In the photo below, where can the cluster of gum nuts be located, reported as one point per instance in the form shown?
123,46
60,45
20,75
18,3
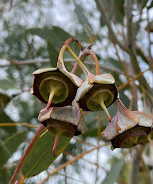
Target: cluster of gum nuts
66,95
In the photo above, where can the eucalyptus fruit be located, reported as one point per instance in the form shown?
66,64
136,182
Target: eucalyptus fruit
56,86
128,128
66,121
98,91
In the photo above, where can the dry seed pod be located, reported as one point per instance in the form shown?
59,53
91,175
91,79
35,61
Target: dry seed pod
98,91
65,121
56,86
128,128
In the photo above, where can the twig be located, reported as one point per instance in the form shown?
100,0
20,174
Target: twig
24,157
108,24
134,173
133,79
98,140
144,168
69,177
18,124
83,142
126,74
11,4
90,162
67,60
149,37
72,161
131,43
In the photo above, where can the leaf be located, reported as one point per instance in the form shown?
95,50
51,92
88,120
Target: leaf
9,146
53,53
114,10
151,5
4,100
81,16
55,35
6,131
113,173
6,84
41,156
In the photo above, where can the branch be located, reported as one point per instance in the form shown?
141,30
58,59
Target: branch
67,60
72,161
134,173
108,24
18,124
131,44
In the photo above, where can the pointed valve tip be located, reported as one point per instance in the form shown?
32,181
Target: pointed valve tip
110,119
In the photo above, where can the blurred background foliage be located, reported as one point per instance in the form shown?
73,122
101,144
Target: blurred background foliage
31,36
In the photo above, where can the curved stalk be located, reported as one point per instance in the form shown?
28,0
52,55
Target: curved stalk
89,52
64,47
52,93
102,104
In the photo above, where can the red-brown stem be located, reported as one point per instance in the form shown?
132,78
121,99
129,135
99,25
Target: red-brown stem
23,159
74,68
55,144
96,61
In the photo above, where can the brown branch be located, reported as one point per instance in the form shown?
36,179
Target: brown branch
108,24
72,161
18,124
67,60
90,162
134,173
131,44
133,79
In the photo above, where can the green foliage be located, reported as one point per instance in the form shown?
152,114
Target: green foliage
9,146
41,156
81,16
53,54
55,35
114,10
4,100
6,132
114,173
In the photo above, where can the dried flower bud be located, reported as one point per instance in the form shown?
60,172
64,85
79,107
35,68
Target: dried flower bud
98,91
128,128
52,86
66,121
56,86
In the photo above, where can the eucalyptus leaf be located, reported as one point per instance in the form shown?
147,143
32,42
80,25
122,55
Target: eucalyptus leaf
6,131
6,84
81,16
53,54
41,156
4,100
55,35
113,173
10,145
